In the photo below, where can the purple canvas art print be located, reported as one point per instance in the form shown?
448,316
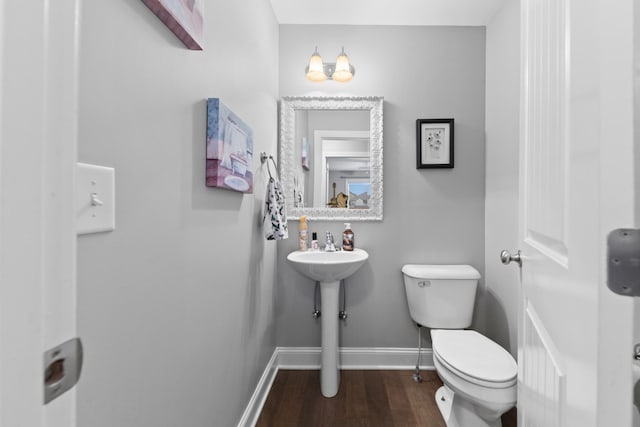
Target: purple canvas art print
229,149
183,17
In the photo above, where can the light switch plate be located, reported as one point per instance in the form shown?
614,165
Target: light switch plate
95,199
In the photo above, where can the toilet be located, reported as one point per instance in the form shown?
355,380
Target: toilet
479,376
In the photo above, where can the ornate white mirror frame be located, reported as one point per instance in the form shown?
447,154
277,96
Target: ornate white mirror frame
286,154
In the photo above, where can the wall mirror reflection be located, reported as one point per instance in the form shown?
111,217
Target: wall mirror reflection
330,153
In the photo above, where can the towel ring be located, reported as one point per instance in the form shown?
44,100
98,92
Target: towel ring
263,158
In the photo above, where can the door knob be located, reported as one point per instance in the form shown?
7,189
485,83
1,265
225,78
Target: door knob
506,257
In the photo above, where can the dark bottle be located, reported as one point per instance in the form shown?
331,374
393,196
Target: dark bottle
347,238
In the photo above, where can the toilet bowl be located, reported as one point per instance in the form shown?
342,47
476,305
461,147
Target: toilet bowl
479,376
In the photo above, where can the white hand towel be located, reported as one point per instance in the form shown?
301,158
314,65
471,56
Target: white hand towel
274,211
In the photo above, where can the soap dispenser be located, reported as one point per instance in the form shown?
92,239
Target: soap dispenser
347,237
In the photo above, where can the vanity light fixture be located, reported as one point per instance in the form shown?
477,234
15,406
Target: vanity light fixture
341,70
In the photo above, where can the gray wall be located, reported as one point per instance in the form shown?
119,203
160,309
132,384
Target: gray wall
499,307
176,306
430,216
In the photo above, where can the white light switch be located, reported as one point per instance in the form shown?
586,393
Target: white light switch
95,199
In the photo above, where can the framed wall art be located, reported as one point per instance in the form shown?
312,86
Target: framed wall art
434,142
183,17
229,149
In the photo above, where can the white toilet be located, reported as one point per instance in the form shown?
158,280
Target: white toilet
479,376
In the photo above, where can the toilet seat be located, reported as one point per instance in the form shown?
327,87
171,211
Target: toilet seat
474,357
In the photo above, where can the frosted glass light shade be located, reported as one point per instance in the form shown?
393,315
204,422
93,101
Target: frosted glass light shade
344,70
315,69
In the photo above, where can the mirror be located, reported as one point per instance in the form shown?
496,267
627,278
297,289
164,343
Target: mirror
330,156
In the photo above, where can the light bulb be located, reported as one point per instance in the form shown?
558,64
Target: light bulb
315,69
344,70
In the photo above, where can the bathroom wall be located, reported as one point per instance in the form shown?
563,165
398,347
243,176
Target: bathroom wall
176,306
499,305
430,216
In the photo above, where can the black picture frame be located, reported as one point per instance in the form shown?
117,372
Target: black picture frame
434,143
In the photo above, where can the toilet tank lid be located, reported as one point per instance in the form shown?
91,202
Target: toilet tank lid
430,271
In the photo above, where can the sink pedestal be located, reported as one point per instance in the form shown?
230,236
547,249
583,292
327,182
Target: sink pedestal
328,268
329,359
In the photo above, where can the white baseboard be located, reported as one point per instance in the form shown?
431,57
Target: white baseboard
350,358
356,358
252,412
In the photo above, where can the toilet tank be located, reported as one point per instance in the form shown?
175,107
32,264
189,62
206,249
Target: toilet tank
441,296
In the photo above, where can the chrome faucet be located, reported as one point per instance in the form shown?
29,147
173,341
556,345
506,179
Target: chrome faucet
329,244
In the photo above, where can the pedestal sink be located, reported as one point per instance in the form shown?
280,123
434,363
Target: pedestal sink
328,268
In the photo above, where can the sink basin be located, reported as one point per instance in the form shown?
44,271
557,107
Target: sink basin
327,266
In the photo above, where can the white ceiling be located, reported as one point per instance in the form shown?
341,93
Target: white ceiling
386,12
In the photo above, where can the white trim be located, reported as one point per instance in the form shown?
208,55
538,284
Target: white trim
356,358
38,145
303,358
298,357
254,407
318,137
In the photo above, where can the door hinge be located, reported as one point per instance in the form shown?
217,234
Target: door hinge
623,261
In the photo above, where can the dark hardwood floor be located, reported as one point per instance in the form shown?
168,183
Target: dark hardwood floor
365,398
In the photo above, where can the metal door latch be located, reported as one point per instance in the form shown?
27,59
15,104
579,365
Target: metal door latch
62,366
623,261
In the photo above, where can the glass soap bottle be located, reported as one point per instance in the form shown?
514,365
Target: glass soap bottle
347,237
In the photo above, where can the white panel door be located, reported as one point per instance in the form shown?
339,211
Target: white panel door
38,93
576,184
